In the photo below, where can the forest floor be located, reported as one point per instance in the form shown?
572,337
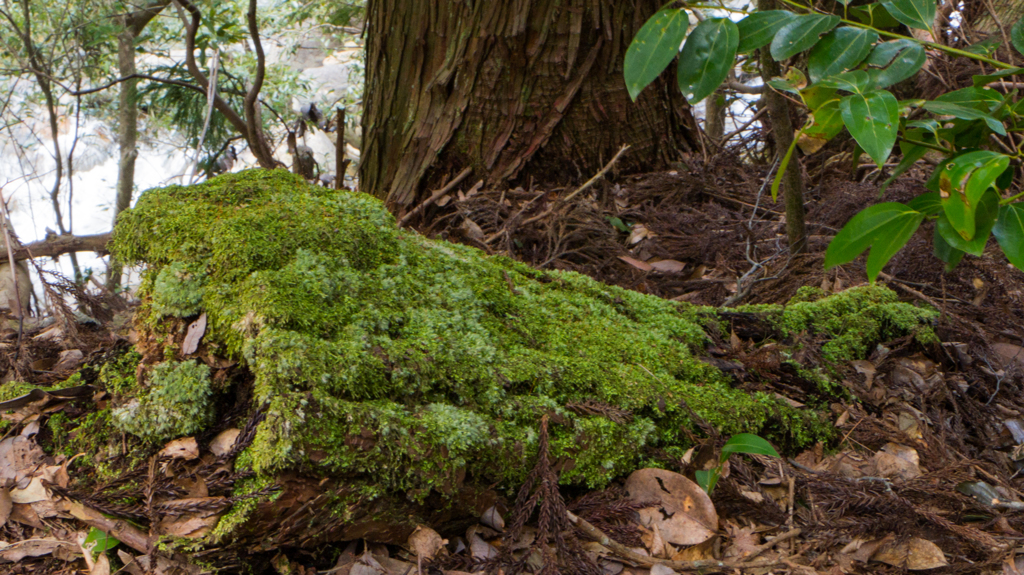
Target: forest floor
926,475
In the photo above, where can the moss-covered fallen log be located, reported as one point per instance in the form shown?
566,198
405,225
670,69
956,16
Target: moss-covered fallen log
410,368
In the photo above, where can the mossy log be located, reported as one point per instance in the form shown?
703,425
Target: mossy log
403,379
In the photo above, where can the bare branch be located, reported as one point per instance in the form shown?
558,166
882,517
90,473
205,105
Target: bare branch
54,246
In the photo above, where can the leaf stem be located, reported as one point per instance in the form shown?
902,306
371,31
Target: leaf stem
1011,199
926,145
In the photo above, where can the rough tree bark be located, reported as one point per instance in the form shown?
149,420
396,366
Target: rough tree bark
511,88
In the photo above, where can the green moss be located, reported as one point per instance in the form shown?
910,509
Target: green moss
15,389
177,291
91,439
409,365
118,375
177,403
853,320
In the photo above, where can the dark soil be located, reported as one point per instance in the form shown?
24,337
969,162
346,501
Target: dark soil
719,220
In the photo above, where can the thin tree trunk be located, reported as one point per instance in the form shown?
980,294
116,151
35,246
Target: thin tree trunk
508,89
128,117
714,117
782,132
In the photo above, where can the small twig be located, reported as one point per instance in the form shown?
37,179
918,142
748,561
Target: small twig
433,197
773,542
598,175
704,565
580,189
757,116
498,233
211,96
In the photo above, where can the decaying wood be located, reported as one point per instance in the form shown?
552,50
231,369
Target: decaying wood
54,246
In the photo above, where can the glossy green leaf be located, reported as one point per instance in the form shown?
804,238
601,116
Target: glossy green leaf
874,15
784,165
619,224
892,62
839,51
984,99
929,203
885,228
1017,37
963,181
918,14
1009,231
857,81
965,113
985,218
100,541
707,57
747,443
929,125
874,120
817,95
945,252
828,121
801,34
707,478
758,29
984,80
653,49
883,53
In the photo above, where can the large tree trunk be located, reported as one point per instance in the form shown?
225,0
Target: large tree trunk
510,88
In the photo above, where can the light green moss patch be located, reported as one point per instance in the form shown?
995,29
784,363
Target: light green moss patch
408,364
854,320
176,403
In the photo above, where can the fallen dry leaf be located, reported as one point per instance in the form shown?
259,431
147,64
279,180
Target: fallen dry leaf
685,515
185,448
19,456
368,565
425,542
638,233
916,555
24,513
224,441
662,569
37,547
196,331
493,519
69,359
898,462
102,566
6,505
472,230
479,548
643,266
668,266
698,552
139,565
33,492
743,540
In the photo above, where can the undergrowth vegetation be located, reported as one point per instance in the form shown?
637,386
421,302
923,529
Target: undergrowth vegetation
409,364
